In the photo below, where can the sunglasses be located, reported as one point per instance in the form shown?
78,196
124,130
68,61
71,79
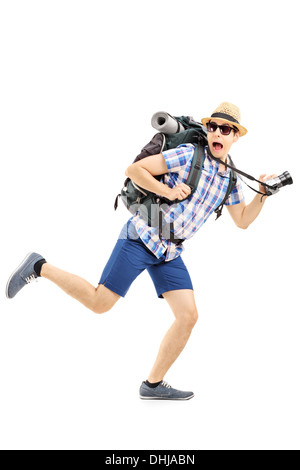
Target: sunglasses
224,129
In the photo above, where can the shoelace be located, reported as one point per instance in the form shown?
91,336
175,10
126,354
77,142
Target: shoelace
30,279
165,384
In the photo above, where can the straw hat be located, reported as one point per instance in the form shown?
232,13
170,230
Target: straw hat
229,114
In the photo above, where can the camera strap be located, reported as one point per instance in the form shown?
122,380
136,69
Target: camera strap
240,172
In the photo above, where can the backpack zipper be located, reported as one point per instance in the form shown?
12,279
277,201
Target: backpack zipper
138,188
164,142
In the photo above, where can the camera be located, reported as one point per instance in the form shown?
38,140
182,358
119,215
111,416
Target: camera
273,185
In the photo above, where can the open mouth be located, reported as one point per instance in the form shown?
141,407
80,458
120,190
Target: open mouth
217,146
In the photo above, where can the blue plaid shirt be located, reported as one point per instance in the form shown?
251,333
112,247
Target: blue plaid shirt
189,215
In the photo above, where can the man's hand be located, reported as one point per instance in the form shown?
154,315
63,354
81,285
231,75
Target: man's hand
180,192
265,179
244,215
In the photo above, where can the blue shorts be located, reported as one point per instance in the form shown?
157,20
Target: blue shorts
131,257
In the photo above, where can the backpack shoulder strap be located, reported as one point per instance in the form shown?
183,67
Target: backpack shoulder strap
192,182
194,174
231,186
196,168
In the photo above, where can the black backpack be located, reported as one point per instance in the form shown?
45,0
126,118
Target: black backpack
149,204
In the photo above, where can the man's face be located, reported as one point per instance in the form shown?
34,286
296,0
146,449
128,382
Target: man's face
219,144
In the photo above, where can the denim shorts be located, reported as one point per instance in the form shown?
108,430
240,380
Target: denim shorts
131,257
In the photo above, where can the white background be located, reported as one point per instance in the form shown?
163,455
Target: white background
79,83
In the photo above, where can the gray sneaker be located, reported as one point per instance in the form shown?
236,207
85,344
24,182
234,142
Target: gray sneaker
163,391
23,275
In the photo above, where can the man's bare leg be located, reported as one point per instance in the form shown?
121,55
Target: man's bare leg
183,305
99,300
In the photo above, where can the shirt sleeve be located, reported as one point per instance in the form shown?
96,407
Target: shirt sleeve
237,195
178,158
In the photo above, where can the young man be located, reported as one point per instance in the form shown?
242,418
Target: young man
139,246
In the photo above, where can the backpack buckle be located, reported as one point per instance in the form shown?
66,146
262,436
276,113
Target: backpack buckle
218,211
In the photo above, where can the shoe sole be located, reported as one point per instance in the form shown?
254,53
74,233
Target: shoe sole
170,399
15,272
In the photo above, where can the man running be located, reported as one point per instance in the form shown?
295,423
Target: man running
140,247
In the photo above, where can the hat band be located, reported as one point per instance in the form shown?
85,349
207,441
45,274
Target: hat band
224,116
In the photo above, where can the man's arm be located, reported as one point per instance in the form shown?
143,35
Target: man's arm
143,172
244,215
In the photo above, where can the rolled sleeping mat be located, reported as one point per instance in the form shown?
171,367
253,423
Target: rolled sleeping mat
165,123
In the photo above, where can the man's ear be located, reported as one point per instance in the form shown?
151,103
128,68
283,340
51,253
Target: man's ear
236,137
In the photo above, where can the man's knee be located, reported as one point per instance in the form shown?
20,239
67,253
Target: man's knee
100,308
104,300
190,318
194,318
103,305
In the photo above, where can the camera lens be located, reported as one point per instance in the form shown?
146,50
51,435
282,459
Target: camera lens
285,179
